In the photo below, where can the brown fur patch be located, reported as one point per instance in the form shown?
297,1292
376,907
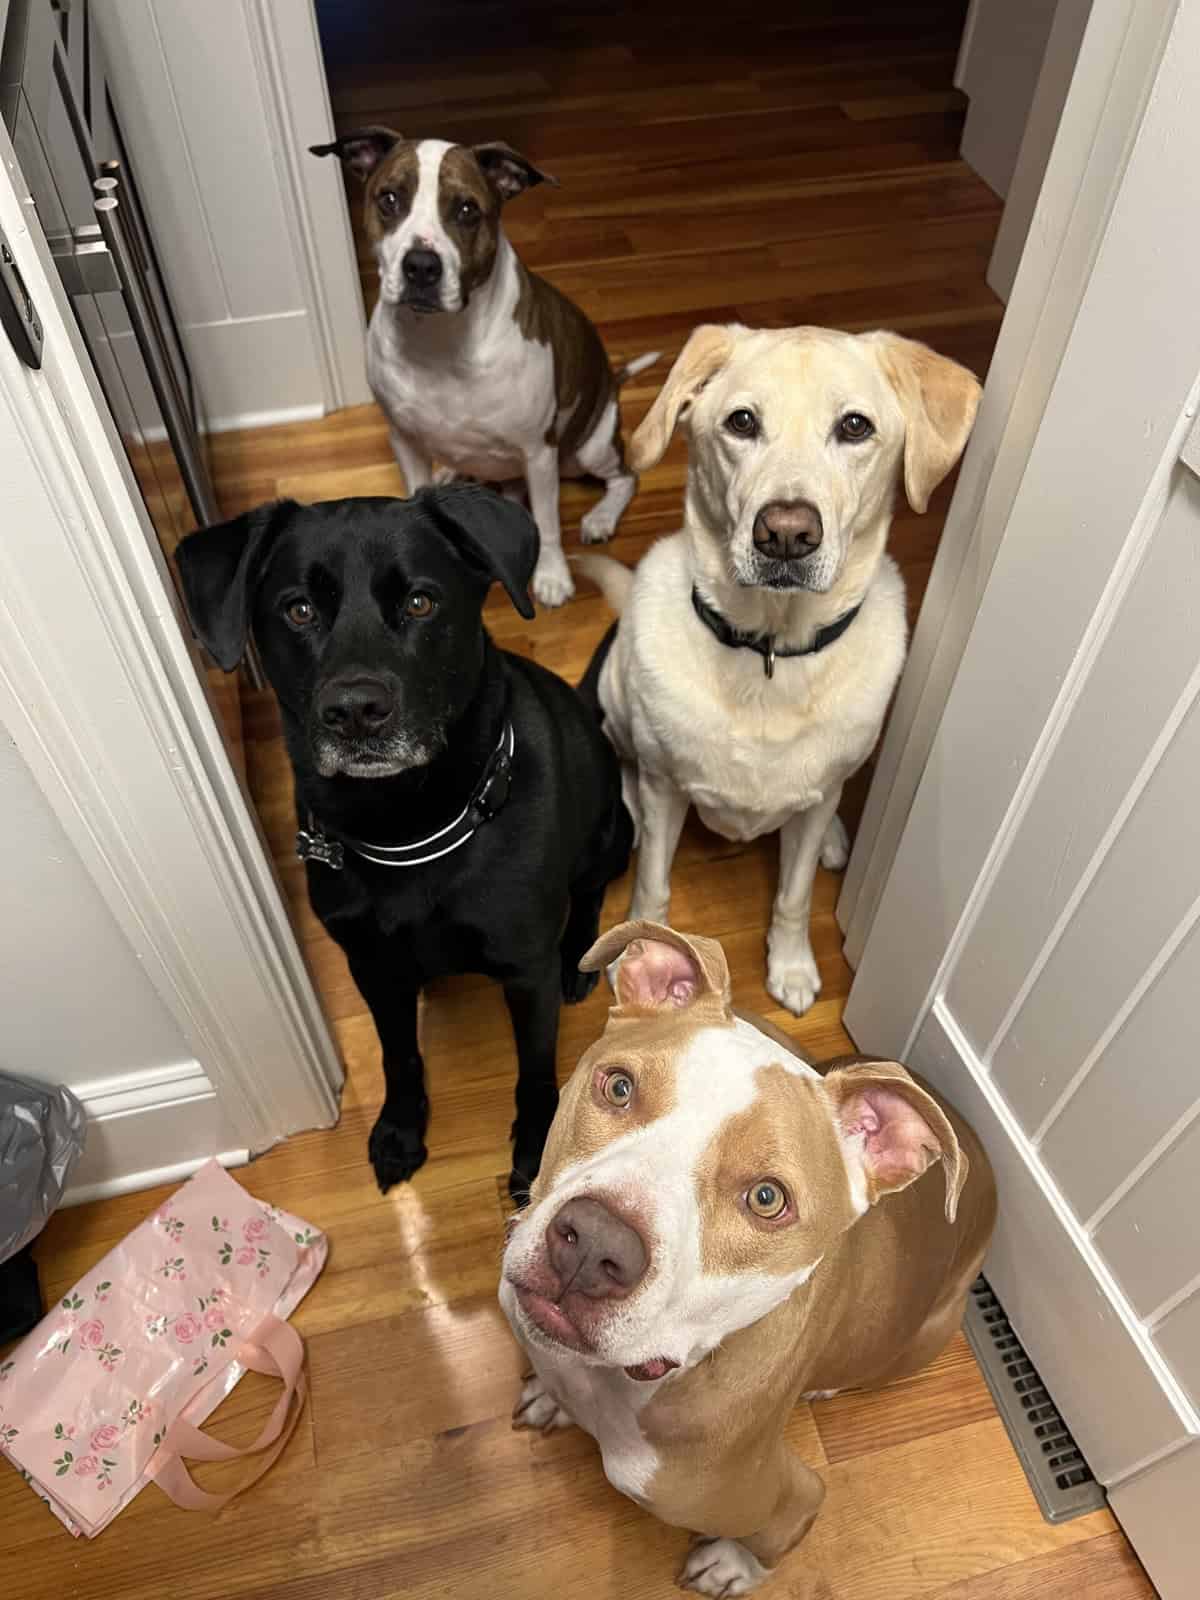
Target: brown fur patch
461,178
583,380
397,172
760,1142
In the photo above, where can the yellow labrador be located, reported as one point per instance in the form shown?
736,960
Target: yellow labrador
758,648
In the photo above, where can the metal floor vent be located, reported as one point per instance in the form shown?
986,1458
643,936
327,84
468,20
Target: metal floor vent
1058,1475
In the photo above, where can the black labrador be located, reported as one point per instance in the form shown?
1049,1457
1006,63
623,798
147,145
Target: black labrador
460,809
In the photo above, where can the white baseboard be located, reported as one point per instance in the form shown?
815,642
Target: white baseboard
264,419
147,1128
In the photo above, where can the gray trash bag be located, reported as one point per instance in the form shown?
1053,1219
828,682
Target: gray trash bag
42,1131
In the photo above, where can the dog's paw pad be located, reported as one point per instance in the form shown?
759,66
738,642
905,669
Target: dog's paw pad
537,1408
721,1567
792,975
552,582
597,527
835,846
395,1152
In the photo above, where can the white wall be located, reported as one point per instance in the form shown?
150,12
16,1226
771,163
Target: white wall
79,1009
218,100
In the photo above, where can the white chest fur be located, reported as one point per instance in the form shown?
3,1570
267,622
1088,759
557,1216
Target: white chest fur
468,388
749,751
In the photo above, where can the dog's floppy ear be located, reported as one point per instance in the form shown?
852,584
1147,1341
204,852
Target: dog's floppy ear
939,400
494,535
705,353
507,170
892,1130
661,970
219,569
361,151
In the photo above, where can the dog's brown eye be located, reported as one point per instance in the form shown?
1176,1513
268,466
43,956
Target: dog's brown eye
854,426
768,1199
742,422
300,613
388,202
466,211
618,1089
419,605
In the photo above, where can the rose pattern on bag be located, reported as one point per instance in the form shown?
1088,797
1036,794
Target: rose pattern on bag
136,1411
86,1465
246,1256
306,1237
187,1327
199,1366
102,1291
225,1254
8,1434
172,1226
157,1325
62,1464
172,1269
63,1430
91,1334
220,1224
109,1354
5,1368
105,1437
254,1229
104,1473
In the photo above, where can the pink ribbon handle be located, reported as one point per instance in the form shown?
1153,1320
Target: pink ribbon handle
276,1350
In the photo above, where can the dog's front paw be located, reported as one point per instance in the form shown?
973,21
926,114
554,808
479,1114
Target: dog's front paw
835,846
537,1408
598,525
397,1150
552,582
792,975
721,1567
576,985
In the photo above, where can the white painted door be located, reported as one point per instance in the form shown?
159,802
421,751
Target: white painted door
1036,951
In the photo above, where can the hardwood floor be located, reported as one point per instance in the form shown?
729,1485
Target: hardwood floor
782,165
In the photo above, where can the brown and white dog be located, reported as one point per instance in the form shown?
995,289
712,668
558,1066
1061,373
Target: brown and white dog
717,1230
477,362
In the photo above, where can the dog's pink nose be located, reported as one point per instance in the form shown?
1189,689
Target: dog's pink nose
593,1252
788,530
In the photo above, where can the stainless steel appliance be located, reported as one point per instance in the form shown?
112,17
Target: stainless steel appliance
57,106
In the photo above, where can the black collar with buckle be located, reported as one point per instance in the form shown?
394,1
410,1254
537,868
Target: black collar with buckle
764,643
487,798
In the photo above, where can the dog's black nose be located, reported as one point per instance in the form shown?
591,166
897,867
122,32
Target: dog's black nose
422,268
594,1252
788,530
355,707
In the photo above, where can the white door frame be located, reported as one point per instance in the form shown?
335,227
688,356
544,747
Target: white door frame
100,689
1120,415
1121,49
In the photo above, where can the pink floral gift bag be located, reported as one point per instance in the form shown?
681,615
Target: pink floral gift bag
110,1389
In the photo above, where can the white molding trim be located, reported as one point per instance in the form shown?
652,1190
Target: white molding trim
100,691
128,1092
263,419
150,1178
1029,1190
287,53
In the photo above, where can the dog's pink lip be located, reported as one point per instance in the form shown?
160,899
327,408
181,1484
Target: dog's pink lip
549,1318
649,1371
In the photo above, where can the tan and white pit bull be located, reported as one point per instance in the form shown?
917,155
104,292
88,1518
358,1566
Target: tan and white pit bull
477,362
717,1230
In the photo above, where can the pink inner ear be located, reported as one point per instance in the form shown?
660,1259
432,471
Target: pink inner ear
655,974
898,1144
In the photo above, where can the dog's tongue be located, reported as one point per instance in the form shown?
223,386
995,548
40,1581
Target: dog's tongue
649,1370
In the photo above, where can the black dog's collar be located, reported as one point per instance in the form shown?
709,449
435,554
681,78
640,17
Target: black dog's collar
487,798
764,644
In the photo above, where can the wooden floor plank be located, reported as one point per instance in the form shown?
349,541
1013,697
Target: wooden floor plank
802,166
